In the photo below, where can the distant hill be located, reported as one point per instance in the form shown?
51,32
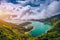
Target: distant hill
49,20
53,19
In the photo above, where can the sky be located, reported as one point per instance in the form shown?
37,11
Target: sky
29,9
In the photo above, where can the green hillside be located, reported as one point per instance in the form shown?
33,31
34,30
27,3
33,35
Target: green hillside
53,34
9,31
52,20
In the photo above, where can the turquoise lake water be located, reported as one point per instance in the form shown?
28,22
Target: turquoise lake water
39,28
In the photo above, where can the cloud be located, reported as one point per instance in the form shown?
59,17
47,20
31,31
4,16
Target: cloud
28,12
51,10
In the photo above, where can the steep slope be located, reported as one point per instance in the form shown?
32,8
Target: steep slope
53,34
9,31
53,19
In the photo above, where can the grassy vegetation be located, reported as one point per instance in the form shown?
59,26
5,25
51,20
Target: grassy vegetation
9,31
53,34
